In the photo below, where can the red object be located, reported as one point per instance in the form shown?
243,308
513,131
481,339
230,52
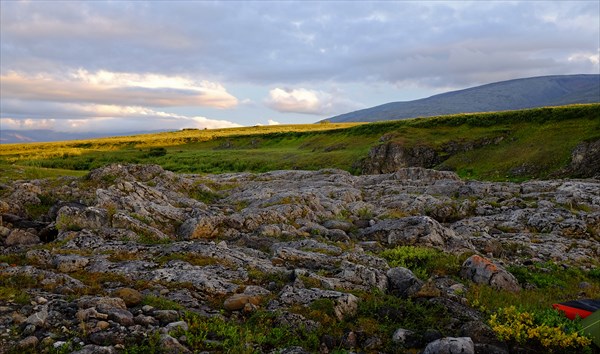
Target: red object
572,312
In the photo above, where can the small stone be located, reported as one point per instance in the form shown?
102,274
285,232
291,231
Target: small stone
29,342
238,301
131,296
102,325
175,325
450,345
41,300
39,318
172,345
18,318
147,308
166,316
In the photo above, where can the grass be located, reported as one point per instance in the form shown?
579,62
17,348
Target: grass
513,145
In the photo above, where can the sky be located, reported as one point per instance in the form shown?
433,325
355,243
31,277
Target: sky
118,66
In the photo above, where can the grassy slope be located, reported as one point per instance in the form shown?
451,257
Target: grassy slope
537,141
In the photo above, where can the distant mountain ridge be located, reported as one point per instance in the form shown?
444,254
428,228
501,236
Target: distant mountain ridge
514,94
46,135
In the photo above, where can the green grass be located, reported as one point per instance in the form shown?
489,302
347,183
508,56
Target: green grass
534,144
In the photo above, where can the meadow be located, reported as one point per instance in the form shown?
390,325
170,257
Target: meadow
536,141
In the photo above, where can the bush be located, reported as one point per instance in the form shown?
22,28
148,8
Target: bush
548,329
422,261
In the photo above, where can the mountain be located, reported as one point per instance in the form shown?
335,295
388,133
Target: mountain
45,135
499,96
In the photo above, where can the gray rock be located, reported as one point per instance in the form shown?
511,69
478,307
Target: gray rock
96,349
122,317
70,263
450,345
403,282
413,230
28,343
172,345
73,218
39,318
166,316
345,305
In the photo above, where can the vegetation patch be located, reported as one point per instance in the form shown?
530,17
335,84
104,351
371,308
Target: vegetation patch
423,261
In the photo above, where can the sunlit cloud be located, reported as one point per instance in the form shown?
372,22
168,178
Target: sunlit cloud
105,118
111,88
307,101
272,122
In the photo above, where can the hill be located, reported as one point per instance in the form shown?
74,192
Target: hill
9,136
499,96
513,145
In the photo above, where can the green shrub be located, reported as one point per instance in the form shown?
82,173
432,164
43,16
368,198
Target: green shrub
547,329
422,261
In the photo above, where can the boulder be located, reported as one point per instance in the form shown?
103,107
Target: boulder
402,282
131,296
483,271
450,345
19,237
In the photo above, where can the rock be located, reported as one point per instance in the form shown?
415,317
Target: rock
96,349
20,237
238,301
28,343
166,316
78,218
130,296
402,282
483,271
177,325
344,305
413,230
101,303
122,317
106,338
172,345
450,345
406,338
39,318
85,315
70,263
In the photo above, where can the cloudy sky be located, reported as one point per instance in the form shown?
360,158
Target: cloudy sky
120,66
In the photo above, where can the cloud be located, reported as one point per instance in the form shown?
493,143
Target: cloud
272,122
104,87
307,101
86,118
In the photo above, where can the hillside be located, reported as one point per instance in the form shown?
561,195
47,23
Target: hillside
514,145
499,96
270,257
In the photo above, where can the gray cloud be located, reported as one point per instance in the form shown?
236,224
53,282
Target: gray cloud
308,46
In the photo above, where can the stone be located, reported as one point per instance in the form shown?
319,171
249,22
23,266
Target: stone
172,345
20,237
237,302
39,318
483,271
402,282
122,317
406,338
450,345
28,343
130,296
70,263
177,325
166,316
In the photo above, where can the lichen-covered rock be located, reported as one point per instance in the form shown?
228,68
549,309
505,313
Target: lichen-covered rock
19,237
344,304
483,271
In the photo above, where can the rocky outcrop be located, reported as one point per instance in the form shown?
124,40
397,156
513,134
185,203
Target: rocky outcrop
126,254
585,160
